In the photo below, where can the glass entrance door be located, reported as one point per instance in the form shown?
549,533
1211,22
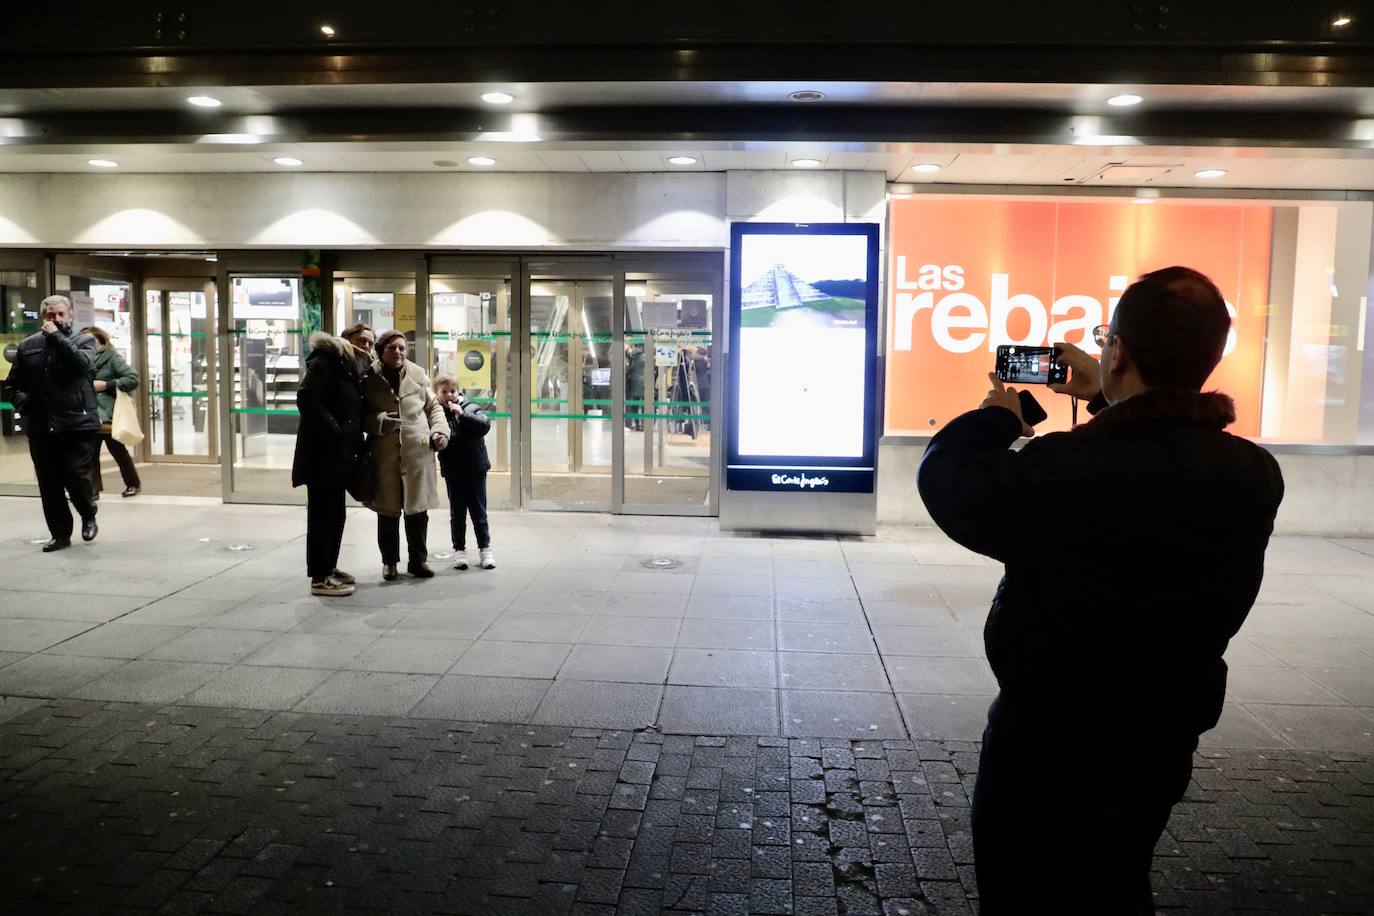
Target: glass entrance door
180,395
570,408
670,370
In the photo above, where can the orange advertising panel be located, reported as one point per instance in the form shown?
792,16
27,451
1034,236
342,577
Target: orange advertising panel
971,273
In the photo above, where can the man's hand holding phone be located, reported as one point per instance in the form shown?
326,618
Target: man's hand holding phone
1085,380
1001,396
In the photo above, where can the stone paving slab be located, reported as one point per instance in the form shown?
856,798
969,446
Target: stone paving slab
126,808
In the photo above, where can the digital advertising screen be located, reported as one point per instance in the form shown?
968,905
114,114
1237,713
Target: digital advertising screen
803,319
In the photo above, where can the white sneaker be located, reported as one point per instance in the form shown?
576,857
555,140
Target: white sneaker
486,558
460,559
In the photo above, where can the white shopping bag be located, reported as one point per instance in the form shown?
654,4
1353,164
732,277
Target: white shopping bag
124,421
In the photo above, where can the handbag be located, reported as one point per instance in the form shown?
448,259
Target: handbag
361,485
124,426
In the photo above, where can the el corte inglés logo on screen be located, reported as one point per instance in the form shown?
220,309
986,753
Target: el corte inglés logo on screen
801,481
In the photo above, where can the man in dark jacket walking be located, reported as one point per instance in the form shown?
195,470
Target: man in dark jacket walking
1134,548
330,452
50,387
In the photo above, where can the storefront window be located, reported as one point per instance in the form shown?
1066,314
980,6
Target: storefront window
970,273
18,318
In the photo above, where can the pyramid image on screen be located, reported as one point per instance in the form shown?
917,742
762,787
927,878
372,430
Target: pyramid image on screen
779,288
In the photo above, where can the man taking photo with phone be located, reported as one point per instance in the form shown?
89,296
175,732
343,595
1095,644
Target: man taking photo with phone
1135,552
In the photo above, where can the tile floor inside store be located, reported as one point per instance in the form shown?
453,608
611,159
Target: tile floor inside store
872,638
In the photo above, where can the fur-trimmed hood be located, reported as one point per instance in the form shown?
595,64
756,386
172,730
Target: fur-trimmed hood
1166,407
319,340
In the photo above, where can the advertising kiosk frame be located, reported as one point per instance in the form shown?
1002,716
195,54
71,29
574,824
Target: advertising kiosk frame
801,444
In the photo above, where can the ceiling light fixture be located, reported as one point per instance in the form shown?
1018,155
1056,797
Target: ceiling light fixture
1341,21
806,95
497,98
925,168
1210,173
1143,200
103,163
1125,100
327,31
204,101
682,160
481,160
287,160
807,163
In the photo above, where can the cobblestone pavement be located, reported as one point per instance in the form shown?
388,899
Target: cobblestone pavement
114,807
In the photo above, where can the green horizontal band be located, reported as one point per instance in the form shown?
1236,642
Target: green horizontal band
570,416
463,335
199,335
6,405
495,415
246,330
703,417
695,335
265,411
178,394
482,400
564,338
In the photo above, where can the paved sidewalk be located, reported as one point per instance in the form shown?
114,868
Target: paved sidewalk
108,807
865,639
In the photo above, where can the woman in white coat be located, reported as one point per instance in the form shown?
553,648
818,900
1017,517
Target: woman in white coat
408,426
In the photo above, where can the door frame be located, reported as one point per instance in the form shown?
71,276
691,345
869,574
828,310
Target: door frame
172,283
43,266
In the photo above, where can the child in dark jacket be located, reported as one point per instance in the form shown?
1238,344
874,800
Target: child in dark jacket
464,464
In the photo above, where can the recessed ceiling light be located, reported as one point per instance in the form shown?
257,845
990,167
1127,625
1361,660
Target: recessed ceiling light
1143,200
103,163
806,95
1210,173
481,160
287,160
807,163
1341,21
205,101
497,98
925,168
327,31
682,160
1124,100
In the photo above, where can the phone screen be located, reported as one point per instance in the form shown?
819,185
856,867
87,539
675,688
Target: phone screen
1030,365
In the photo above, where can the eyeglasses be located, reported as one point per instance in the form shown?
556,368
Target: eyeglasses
1102,335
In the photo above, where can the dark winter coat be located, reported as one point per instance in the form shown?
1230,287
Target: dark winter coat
50,386
108,366
329,440
1134,549
466,453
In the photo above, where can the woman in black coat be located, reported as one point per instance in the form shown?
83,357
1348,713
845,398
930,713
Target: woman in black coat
330,448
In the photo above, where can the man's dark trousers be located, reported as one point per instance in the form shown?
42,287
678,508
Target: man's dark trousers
62,463
1069,818
325,515
467,496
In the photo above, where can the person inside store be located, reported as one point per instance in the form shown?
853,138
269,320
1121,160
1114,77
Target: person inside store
1107,630
464,464
407,426
331,456
110,373
50,387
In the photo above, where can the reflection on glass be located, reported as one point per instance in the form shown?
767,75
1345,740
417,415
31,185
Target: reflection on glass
470,341
668,384
18,318
266,326
180,380
570,396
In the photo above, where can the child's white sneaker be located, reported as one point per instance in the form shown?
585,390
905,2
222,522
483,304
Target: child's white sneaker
488,562
460,559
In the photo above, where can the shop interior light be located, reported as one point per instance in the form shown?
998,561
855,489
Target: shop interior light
925,168
682,160
1210,173
807,163
204,101
327,31
287,160
481,160
103,163
1125,100
1341,21
1143,200
806,95
497,98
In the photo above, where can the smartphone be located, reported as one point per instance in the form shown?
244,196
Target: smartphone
1030,365
1031,411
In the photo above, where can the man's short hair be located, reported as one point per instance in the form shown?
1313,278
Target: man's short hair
1174,324
353,330
55,300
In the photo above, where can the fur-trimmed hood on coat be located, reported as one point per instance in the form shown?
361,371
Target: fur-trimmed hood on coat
1166,407
319,340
